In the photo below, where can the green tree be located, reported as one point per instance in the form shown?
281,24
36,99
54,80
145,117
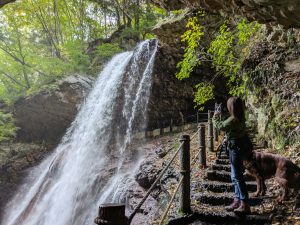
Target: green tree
226,53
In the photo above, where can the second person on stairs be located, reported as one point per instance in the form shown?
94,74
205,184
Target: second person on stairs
240,148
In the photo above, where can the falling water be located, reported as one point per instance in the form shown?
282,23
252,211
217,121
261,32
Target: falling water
92,164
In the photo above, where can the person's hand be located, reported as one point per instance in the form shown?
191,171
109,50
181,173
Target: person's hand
216,113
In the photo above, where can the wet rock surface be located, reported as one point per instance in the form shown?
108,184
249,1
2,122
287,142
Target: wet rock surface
148,171
15,159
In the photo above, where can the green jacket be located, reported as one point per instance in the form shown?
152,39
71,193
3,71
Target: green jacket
231,128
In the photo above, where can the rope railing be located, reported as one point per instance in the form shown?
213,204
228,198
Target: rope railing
179,184
154,184
184,149
170,202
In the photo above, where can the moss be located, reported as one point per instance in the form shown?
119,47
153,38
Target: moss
276,103
7,127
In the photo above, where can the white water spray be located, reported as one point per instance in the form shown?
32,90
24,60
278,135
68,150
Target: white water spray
89,166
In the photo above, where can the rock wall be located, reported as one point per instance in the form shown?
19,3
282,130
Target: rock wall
45,116
273,69
4,2
284,12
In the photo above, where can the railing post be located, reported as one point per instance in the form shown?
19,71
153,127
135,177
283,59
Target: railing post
216,134
185,198
210,132
111,214
202,148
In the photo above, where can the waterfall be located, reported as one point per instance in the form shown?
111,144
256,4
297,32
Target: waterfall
93,163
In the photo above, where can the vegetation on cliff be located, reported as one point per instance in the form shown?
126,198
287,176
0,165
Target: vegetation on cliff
7,127
226,52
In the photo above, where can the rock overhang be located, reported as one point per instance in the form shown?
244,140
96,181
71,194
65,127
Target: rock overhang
283,12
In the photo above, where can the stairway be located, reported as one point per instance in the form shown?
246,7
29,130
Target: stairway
214,193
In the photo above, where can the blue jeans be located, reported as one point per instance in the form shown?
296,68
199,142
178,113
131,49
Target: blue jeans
236,156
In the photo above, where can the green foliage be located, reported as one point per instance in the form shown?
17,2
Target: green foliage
226,51
191,37
107,50
205,92
130,32
7,127
77,60
42,41
149,18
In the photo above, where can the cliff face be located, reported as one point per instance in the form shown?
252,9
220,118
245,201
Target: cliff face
284,12
273,69
44,117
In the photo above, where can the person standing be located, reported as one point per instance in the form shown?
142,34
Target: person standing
239,148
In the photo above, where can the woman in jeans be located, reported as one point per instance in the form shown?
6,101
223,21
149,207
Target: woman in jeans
240,148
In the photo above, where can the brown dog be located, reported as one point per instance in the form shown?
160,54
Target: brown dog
266,165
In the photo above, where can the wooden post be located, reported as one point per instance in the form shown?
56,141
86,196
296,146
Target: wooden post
185,198
216,134
197,118
202,148
210,132
111,214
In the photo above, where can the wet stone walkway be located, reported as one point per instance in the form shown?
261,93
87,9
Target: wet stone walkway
215,192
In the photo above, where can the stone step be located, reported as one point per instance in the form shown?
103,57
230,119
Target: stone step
221,167
220,187
223,156
221,199
222,161
223,176
217,215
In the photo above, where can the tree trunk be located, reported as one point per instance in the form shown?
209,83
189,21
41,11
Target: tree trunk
137,15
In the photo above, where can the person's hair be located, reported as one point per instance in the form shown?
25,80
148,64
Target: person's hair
235,107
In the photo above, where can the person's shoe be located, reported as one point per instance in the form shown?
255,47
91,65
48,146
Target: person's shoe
243,209
234,205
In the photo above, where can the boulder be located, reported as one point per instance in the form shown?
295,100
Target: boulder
45,116
148,172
